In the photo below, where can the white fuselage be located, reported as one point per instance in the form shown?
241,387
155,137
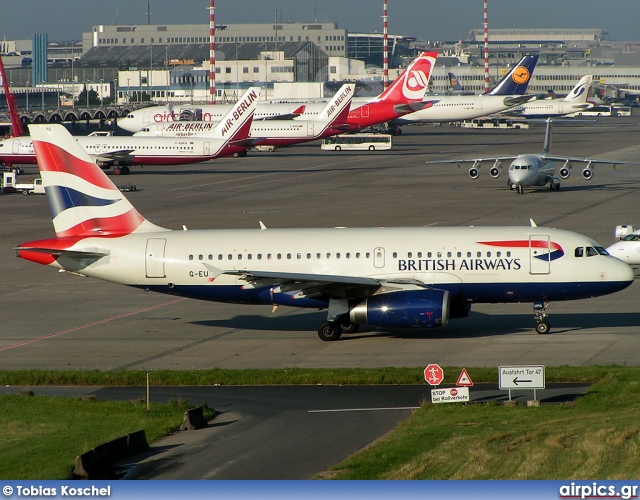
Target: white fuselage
141,118
548,108
141,150
627,249
268,132
456,108
474,264
531,170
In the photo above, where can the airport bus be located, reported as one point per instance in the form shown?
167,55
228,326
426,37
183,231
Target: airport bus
603,110
357,142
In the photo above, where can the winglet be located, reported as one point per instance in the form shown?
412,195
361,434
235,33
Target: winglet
533,224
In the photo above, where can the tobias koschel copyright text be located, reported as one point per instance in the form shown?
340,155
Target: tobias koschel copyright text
63,491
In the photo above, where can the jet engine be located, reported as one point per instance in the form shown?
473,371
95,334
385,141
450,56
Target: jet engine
587,173
406,309
496,169
474,172
565,172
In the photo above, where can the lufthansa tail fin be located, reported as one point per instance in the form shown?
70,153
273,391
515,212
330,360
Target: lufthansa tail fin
516,81
82,199
454,83
413,82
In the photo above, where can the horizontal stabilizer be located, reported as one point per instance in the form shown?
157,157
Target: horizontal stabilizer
518,100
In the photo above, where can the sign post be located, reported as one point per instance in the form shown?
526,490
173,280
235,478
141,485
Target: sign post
521,377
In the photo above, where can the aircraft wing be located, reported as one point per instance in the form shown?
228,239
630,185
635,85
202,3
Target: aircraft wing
474,160
121,155
591,161
286,116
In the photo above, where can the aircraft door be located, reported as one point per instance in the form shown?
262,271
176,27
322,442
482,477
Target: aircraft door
206,148
364,111
310,131
560,107
478,104
154,258
146,117
378,257
539,254
16,146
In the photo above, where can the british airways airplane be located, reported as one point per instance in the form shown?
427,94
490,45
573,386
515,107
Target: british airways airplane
331,120
229,137
411,278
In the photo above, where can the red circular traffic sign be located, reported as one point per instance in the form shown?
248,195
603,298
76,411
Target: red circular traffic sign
433,374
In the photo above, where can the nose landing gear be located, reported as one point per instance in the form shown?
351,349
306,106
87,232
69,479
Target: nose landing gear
542,325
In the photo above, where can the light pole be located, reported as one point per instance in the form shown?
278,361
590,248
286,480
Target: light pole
86,87
128,82
27,96
101,89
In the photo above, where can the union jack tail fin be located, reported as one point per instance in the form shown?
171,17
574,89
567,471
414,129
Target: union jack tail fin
82,199
412,84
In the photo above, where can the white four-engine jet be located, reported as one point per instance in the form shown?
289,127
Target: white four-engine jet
386,277
534,170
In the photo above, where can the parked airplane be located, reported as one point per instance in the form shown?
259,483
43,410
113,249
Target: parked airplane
403,96
455,87
330,121
574,102
508,92
534,170
627,246
229,137
386,277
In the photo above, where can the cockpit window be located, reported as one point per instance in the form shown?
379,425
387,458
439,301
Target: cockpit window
631,237
602,251
530,167
591,252
579,252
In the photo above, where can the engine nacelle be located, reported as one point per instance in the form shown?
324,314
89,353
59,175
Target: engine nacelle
495,172
410,309
474,172
565,172
587,173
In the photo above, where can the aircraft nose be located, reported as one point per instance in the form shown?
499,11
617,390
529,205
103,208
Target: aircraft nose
620,272
519,176
629,253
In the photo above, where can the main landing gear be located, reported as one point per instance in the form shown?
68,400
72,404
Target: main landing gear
542,325
333,330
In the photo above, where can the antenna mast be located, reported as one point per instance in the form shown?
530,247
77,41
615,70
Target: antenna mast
385,46
212,53
486,48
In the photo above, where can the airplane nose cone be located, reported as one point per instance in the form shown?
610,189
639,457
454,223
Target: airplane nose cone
621,273
627,252
520,177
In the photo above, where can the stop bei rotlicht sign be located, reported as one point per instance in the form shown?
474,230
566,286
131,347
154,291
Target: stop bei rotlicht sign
433,374
451,395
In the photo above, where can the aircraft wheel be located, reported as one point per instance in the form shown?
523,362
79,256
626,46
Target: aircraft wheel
125,170
519,189
543,327
348,327
338,148
117,171
329,331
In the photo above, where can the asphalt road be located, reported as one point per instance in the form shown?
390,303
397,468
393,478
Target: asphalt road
284,432
54,320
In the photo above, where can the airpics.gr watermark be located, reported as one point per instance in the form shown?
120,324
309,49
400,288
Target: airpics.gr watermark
63,491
